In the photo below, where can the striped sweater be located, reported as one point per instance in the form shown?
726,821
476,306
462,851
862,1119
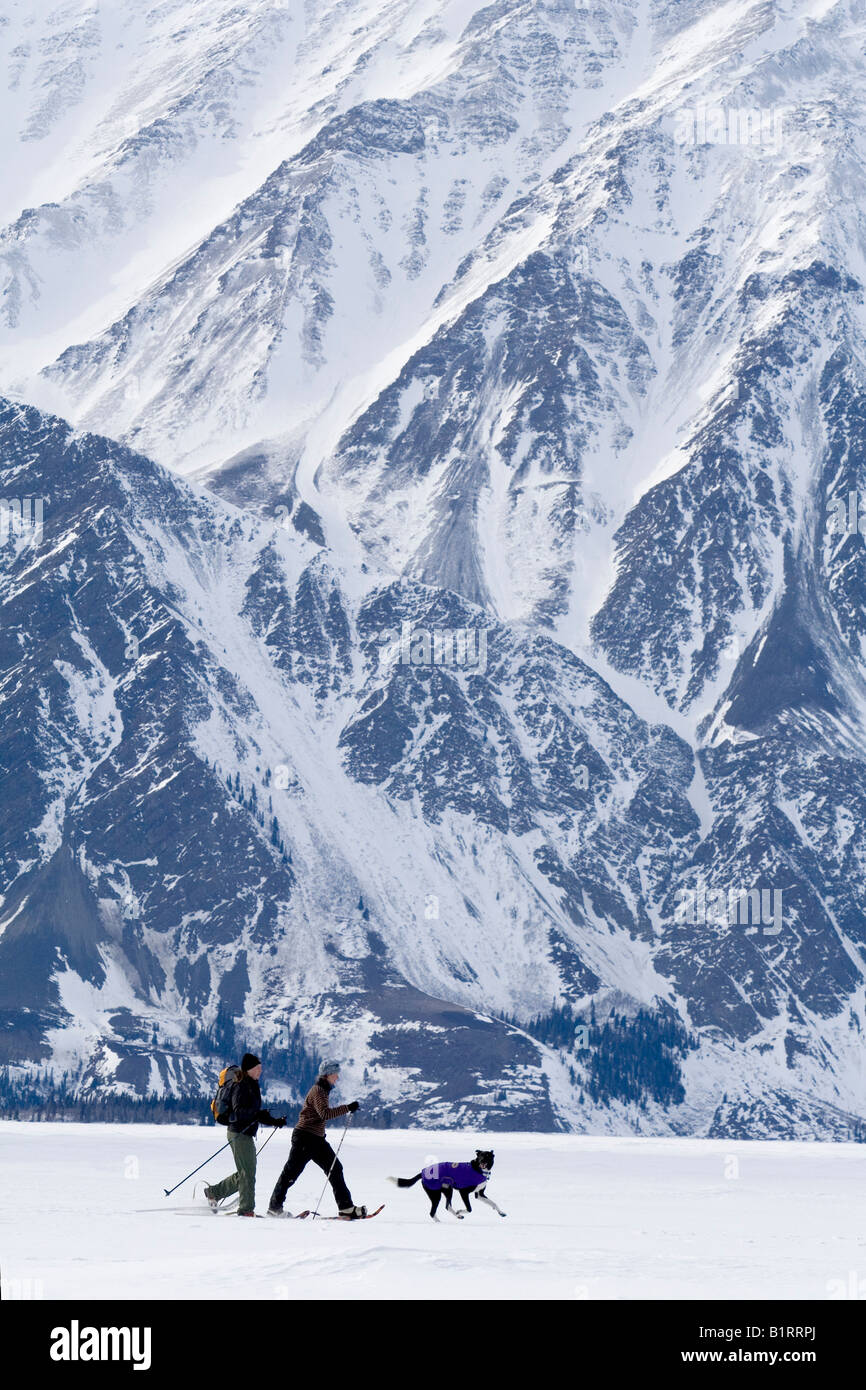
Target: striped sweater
315,1111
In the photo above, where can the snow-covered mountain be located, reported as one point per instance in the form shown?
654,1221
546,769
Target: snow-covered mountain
525,334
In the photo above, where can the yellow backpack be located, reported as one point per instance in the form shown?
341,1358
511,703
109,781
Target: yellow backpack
221,1105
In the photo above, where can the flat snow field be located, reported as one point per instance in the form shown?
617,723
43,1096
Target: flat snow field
82,1215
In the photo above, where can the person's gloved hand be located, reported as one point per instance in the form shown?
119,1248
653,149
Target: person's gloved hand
353,1106
280,1122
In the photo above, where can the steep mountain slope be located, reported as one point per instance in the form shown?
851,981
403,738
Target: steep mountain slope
196,669
534,324
386,155
234,796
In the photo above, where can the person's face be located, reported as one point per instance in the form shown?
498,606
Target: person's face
333,1077
256,1072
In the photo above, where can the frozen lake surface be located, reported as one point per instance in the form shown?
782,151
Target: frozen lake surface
83,1216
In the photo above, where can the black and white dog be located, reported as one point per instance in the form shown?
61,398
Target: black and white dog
444,1179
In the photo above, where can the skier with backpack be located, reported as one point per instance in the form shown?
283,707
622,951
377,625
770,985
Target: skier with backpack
309,1145
238,1104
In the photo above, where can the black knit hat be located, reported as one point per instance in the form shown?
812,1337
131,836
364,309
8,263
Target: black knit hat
249,1060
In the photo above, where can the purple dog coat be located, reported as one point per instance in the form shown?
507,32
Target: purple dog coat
458,1175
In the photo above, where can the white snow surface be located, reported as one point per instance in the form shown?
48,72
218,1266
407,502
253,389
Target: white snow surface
587,1218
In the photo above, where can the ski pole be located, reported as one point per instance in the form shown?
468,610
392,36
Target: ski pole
168,1190
336,1156
267,1141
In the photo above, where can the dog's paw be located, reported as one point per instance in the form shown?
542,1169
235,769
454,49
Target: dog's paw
393,1180
503,1213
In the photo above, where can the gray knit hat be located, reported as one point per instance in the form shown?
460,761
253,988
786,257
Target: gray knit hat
328,1068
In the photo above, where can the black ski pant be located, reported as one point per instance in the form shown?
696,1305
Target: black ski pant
310,1148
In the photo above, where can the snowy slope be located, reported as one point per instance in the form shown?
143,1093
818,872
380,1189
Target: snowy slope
230,800
488,318
378,163
236,805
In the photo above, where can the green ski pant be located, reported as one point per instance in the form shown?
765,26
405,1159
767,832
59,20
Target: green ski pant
244,1153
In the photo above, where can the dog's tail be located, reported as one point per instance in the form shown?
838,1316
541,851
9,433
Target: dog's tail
406,1182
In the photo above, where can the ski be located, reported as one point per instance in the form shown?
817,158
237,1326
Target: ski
183,1211
225,1204
231,1211
228,1207
368,1217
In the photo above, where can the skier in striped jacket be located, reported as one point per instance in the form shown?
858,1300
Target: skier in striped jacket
309,1145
